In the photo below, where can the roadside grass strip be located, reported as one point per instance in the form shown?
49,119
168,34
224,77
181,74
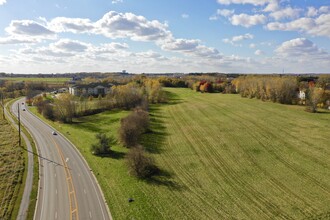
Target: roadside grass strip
11,170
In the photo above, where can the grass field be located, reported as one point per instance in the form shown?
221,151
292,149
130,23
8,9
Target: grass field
37,79
222,157
11,170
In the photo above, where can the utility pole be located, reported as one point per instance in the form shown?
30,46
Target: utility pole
19,125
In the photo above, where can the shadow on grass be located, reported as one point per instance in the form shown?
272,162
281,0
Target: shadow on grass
92,123
153,139
114,154
163,179
323,112
172,98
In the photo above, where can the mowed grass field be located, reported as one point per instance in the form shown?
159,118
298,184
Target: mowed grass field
11,170
221,156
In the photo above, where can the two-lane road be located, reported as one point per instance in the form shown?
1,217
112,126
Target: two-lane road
68,190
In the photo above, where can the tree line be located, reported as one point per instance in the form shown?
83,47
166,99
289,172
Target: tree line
65,106
285,89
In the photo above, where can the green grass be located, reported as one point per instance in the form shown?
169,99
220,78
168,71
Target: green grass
37,79
221,157
34,190
12,170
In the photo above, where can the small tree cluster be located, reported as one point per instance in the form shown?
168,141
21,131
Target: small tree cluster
62,109
103,145
153,90
125,96
132,126
140,165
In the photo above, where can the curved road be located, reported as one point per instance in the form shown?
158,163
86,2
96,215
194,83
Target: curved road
67,188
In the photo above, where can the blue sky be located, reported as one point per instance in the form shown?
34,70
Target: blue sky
241,36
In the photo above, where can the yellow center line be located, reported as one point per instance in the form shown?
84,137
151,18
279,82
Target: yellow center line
71,190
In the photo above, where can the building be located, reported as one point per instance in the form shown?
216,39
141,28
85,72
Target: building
302,95
94,89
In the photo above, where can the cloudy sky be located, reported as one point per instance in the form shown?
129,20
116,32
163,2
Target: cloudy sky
245,36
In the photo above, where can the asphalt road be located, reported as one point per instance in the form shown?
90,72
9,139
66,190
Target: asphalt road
67,187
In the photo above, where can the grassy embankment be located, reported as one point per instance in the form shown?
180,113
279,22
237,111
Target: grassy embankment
20,186
12,160
222,157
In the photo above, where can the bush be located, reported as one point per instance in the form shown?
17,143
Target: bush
48,112
140,165
103,146
133,126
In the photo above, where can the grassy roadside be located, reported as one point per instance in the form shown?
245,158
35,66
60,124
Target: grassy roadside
222,157
12,171
34,190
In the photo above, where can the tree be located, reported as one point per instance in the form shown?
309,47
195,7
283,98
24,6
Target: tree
48,112
140,165
313,98
103,145
65,107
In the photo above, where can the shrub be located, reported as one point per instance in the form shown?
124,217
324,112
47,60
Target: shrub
140,165
103,146
133,126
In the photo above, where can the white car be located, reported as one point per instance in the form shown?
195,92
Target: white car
54,133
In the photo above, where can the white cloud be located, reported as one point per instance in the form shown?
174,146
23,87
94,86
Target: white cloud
271,5
74,25
69,45
109,48
185,16
252,45
324,9
225,12
312,12
242,37
2,2
302,48
252,2
128,25
319,26
287,12
247,21
238,38
190,48
222,12
18,40
259,52
116,1
151,55
28,28
180,45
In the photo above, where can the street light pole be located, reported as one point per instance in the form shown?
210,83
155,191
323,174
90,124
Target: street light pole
19,125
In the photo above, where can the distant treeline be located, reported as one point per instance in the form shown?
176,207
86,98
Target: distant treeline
285,90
